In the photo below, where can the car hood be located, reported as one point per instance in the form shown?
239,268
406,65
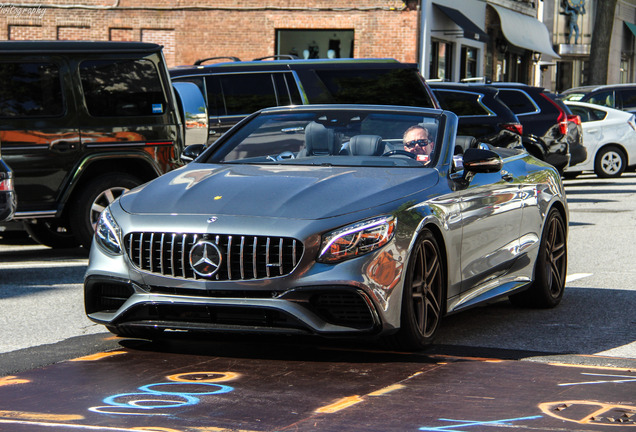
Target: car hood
289,191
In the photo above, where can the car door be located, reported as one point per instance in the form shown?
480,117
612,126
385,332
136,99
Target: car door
38,128
491,209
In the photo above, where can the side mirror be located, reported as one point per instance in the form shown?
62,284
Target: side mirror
194,112
191,152
478,160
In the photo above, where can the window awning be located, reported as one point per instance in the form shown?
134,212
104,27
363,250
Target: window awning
525,31
631,26
470,29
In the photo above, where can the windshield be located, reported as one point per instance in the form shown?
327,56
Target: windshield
338,137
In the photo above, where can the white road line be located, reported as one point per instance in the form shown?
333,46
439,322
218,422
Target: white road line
40,264
577,276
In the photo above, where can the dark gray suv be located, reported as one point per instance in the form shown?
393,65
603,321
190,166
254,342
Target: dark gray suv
235,89
619,96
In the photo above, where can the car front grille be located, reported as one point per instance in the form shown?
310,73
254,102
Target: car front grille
242,257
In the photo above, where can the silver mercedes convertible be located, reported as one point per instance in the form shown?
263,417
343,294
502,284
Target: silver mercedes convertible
329,220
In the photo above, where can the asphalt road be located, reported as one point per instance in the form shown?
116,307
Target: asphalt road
42,319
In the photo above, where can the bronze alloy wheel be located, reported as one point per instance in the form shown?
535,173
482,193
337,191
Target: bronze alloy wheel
423,297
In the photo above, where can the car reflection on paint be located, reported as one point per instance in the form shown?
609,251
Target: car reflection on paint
316,220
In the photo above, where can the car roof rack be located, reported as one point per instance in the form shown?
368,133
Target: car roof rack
201,61
277,57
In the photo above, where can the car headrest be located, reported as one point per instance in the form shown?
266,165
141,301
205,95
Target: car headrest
464,142
319,140
366,145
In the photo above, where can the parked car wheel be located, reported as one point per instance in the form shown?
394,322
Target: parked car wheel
53,233
551,267
423,297
94,198
610,162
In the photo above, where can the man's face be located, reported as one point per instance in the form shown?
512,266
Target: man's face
414,135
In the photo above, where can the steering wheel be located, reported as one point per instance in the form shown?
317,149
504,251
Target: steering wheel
282,156
401,153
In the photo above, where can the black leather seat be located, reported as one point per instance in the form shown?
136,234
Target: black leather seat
366,145
464,142
319,140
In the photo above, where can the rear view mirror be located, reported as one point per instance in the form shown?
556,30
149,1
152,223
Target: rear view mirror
191,152
478,160
194,112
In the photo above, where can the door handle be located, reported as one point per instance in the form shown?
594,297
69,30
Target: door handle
505,175
63,146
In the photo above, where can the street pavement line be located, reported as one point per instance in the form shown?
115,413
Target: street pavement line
576,276
340,405
98,356
23,415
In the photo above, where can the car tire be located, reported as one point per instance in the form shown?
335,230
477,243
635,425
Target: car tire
610,162
53,233
550,268
95,197
423,295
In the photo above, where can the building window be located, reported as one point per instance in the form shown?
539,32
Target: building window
441,60
312,44
468,63
626,68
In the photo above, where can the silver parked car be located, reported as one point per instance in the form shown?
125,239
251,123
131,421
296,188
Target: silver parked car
320,220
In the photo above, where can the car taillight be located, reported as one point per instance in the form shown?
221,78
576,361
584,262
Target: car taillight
6,184
575,119
562,120
513,127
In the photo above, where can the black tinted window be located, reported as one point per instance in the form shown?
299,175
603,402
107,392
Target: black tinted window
30,90
461,103
517,101
240,94
605,98
122,88
375,86
629,99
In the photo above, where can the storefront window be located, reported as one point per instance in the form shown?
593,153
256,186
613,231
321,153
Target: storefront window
313,44
469,63
441,60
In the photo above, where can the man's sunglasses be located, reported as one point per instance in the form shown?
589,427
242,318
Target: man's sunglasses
420,142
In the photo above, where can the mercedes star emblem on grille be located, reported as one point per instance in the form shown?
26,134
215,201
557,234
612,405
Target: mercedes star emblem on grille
205,258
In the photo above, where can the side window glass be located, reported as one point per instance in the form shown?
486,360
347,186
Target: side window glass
30,90
241,94
115,88
517,101
376,86
605,98
286,89
629,99
597,114
461,103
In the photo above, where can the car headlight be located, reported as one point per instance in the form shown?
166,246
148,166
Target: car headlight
108,233
356,239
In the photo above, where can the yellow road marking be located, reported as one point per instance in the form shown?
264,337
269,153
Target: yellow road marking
340,405
23,415
98,356
388,389
11,380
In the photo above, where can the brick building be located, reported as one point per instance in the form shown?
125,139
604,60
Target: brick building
243,28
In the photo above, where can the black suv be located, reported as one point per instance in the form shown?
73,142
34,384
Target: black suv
81,123
481,113
7,195
236,89
545,123
619,96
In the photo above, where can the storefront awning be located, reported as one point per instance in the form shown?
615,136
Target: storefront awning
631,26
525,31
471,30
